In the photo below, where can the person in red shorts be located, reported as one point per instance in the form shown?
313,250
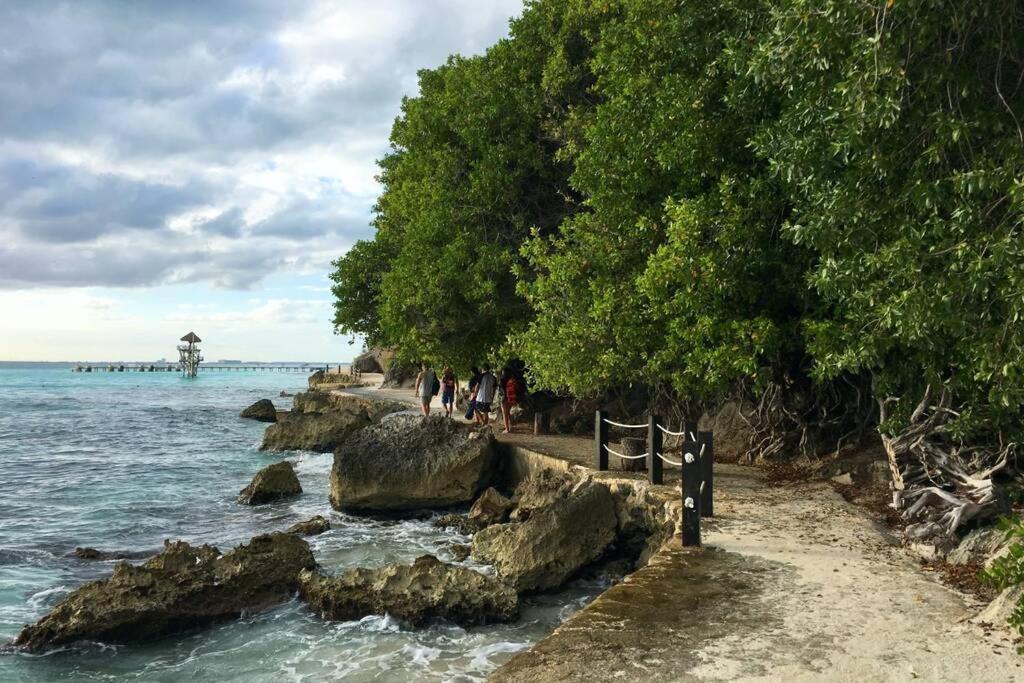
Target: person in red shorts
509,386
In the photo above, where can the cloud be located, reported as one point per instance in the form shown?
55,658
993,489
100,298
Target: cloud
148,143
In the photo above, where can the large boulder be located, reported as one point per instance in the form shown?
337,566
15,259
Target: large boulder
490,508
311,527
321,421
181,588
399,375
418,593
554,543
978,546
271,483
731,424
540,491
410,462
262,410
367,362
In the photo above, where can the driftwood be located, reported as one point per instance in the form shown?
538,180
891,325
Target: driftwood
940,483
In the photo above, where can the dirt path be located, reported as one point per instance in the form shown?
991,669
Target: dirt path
793,584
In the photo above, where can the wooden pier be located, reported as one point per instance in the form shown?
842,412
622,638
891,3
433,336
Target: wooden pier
174,367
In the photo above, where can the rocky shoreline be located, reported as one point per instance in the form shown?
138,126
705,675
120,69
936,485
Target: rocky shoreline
537,532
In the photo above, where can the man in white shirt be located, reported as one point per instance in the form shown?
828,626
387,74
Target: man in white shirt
484,394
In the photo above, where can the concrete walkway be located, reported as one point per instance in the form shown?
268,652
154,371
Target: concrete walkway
793,584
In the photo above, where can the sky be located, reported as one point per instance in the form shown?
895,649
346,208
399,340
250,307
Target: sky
168,166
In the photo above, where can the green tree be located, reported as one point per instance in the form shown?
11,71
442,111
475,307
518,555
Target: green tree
676,274
901,146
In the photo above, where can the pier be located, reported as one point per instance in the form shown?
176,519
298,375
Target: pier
164,366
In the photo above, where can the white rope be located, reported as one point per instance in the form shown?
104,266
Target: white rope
702,447
619,424
627,457
693,437
683,433
670,462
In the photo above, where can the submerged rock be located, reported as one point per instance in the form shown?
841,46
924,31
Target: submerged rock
554,543
408,462
320,421
262,410
426,590
460,523
181,588
311,527
490,508
101,555
460,551
271,483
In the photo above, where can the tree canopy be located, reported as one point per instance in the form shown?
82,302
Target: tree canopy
700,196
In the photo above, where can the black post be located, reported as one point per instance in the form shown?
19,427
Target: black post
600,442
707,461
691,494
654,473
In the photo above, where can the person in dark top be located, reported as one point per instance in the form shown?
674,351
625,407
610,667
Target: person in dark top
449,387
486,388
474,380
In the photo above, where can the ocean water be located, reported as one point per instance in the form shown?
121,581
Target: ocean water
122,461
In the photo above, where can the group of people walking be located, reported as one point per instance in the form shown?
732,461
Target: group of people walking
484,389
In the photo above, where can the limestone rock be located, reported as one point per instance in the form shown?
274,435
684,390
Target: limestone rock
418,593
978,546
732,431
316,379
540,491
102,555
554,543
181,588
400,376
460,523
271,483
311,527
367,362
409,462
999,610
262,410
460,551
490,508
320,421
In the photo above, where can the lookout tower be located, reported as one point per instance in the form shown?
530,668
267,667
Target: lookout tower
189,352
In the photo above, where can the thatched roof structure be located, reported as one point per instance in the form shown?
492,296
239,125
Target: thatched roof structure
191,338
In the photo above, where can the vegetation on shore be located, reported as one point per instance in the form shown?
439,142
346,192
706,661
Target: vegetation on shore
817,208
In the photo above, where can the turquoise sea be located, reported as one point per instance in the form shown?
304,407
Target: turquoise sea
122,461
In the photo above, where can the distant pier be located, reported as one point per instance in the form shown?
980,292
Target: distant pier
173,367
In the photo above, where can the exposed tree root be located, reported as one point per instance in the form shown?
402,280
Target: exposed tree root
940,484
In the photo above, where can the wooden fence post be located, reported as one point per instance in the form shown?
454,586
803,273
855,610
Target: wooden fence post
654,464
600,442
707,461
691,494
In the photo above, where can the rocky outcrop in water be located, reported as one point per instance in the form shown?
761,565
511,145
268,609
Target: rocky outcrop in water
271,483
408,462
320,421
181,588
418,593
460,523
490,508
262,410
311,527
554,542
105,555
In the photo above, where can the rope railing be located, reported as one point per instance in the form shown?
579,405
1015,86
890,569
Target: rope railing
625,457
619,424
670,433
696,463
